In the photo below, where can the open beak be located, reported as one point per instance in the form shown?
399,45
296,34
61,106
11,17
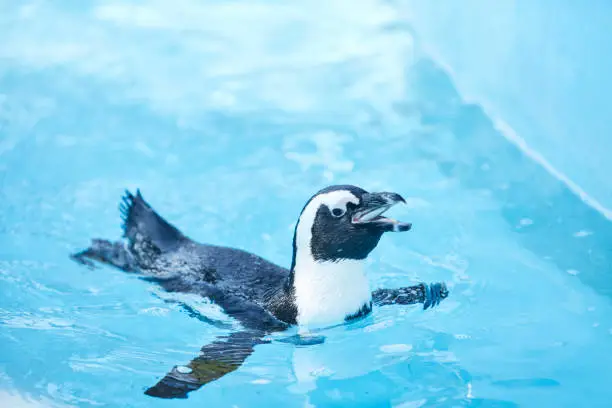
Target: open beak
373,206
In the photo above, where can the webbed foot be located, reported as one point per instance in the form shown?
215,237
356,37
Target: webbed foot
434,294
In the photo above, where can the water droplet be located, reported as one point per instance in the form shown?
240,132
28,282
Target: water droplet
183,370
573,272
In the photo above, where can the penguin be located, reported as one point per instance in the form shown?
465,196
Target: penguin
326,284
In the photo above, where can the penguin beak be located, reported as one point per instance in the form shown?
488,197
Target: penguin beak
373,206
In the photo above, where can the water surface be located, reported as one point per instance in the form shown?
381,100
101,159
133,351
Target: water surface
228,116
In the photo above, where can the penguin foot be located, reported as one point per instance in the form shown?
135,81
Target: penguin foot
434,294
303,340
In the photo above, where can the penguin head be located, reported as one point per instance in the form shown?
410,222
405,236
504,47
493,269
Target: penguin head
344,222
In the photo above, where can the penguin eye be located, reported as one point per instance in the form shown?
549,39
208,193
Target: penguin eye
338,212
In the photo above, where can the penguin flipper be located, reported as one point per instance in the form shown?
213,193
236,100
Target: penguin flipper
142,224
429,295
223,356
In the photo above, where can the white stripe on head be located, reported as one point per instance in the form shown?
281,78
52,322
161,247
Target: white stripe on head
333,199
326,292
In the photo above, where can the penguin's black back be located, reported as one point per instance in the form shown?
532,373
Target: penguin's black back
231,277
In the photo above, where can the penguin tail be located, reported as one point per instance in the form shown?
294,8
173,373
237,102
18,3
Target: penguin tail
143,225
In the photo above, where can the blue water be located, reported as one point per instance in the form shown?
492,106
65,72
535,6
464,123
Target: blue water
228,116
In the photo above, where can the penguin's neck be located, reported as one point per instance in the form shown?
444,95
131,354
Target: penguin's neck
326,293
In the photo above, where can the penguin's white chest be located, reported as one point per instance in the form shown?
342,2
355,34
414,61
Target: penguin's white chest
327,292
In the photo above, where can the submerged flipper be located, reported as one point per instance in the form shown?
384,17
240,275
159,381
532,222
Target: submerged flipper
227,353
219,358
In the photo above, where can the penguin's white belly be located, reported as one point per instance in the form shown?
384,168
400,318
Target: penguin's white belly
328,292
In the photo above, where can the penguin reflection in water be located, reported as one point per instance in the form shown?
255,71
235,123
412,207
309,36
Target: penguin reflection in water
326,284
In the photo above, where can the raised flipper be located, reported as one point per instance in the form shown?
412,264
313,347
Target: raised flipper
219,358
429,295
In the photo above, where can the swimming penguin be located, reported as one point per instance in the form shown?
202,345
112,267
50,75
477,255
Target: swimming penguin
326,284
